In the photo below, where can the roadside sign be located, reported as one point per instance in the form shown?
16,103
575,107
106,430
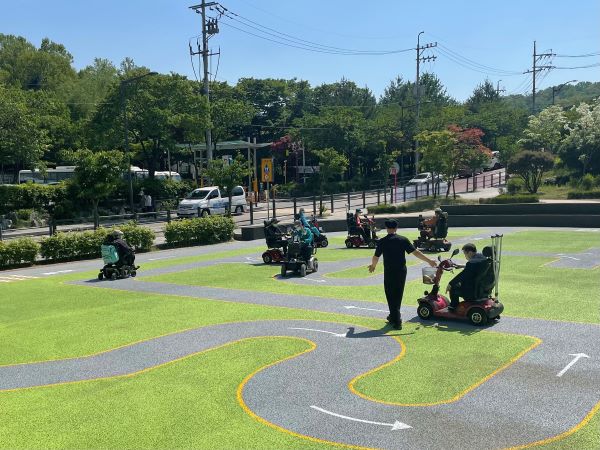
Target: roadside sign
395,168
266,170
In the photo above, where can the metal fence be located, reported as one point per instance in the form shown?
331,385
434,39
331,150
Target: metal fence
283,208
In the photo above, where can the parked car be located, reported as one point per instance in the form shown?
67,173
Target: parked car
494,162
208,200
420,178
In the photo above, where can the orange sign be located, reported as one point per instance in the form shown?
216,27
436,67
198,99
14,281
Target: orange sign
266,170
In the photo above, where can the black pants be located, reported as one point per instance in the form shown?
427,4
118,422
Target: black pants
456,292
393,282
306,252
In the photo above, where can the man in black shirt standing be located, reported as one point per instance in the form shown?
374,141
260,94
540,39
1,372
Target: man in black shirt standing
393,247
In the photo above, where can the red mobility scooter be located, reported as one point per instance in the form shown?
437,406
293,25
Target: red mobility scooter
361,231
484,308
277,242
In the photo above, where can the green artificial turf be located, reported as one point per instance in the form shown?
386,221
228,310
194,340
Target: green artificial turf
363,271
188,403
416,374
587,437
551,241
205,257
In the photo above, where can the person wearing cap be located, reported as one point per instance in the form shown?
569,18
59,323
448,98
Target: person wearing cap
276,238
126,254
393,247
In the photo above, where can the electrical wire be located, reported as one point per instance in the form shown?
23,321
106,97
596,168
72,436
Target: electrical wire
477,64
578,67
586,55
306,45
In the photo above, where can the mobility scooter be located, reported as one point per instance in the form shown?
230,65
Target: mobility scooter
433,232
484,308
296,261
277,242
112,268
361,231
320,240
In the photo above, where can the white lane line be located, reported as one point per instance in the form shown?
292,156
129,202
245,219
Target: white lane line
366,309
568,366
161,257
397,425
57,272
321,331
313,280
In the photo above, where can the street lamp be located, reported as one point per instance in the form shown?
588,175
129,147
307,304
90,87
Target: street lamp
556,90
125,127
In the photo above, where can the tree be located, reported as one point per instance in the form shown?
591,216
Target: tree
227,175
530,166
98,175
545,131
331,164
482,94
581,147
439,153
22,142
468,153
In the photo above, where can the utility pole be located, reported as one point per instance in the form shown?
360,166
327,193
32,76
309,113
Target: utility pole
418,91
498,90
208,29
535,69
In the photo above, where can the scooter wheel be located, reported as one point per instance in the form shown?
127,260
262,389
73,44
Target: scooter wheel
324,243
315,265
348,243
100,276
133,273
267,258
302,270
113,276
425,311
478,317
283,270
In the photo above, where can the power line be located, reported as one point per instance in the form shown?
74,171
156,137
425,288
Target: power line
477,64
579,67
586,55
296,42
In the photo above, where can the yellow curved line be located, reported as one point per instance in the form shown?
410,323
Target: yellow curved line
247,410
558,437
458,396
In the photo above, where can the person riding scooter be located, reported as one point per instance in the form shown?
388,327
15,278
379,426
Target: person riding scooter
126,254
303,235
463,284
274,236
319,238
429,226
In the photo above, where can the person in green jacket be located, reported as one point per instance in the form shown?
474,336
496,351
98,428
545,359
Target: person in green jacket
305,237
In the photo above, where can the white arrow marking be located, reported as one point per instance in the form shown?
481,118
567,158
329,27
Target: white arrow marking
312,279
568,366
366,309
57,272
397,425
162,257
321,331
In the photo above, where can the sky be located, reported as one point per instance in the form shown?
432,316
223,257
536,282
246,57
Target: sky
476,39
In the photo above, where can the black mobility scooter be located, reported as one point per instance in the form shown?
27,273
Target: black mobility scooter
298,260
277,242
115,267
432,236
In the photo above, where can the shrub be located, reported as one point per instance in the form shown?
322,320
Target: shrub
18,251
514,186
506,198
587,182
584,194
86,244
30,196
205,230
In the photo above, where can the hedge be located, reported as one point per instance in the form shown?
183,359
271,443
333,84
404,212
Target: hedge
18,251
30,196
86,244
583,194
506,198
422,204
205,230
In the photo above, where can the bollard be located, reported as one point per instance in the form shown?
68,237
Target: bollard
392,194
474,182
378,196
385,196
295,208
467,184
404,193
427,189
274,207
199,213
321,205
331,203
314,205
168,216
349,205
416,191
364,199
252,212
0,232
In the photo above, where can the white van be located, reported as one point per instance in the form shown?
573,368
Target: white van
208,200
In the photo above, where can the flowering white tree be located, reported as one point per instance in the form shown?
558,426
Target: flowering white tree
545,131
581,147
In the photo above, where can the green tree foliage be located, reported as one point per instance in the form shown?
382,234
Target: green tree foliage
484,93
98,175
331,165
22,140
439,153
227,175
545,131
581,147
530,166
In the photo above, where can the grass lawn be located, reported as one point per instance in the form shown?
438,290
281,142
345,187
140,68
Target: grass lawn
551,241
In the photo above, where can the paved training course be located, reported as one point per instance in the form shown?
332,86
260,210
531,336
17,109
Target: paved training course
546,392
